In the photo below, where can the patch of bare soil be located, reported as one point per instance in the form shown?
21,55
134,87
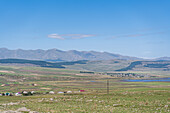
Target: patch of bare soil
20,110
4,71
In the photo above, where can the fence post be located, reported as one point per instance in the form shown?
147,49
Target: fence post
107,86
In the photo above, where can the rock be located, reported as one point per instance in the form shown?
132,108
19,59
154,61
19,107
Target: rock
23,109
166,106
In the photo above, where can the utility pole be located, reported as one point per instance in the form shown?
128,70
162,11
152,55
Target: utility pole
107,86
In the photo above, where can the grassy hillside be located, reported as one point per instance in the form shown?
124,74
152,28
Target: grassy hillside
122,65
40,63
101,66
123,96
148,65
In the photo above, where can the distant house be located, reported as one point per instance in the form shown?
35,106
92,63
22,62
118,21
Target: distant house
69,91
32,92
81,90
76,91
34,84
18,94
25,92
60,92
51,92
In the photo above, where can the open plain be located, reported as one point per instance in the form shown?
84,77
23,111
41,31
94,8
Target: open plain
97,94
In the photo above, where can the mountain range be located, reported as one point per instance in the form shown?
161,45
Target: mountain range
59,55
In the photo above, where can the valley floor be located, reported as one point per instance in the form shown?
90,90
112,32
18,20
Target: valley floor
123,97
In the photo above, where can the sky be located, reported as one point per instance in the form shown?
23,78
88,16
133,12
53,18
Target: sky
139,28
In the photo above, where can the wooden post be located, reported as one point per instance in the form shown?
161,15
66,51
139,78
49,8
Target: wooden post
107,86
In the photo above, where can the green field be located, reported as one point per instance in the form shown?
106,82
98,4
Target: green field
123,97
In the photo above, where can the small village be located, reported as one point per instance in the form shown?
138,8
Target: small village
30,93
121,75
132,75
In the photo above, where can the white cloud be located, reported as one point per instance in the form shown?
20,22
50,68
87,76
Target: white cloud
55,36
70,36
138,35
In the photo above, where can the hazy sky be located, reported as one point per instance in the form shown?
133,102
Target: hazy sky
129,27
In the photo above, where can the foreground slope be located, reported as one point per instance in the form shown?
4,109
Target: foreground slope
123,96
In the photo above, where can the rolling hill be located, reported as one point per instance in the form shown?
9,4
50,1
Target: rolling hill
39,63
97,66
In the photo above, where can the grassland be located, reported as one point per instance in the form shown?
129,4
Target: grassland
123,97
100,66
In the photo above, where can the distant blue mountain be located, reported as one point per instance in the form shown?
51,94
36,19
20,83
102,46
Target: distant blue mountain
55,54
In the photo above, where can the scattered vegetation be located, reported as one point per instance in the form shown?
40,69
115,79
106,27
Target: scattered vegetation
41,63
123,96
131,66
89,72
157,65
147,64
